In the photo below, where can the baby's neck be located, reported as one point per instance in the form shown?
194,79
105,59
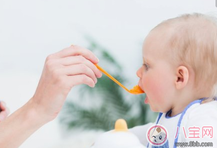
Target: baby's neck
175,112
207,100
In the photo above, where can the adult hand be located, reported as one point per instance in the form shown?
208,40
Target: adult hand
62,71
4,111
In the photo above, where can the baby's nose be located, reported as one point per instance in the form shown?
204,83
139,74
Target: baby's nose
139,73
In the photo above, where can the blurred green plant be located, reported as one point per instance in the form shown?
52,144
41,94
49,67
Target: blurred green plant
106,102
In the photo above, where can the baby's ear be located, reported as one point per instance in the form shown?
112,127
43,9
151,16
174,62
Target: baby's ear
182,77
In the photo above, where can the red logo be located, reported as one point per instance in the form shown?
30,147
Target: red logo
194,132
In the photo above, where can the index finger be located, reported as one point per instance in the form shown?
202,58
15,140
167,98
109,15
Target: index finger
75,51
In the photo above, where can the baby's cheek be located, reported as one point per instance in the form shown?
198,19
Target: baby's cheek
155,89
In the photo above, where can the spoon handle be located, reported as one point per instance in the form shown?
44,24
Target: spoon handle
112,78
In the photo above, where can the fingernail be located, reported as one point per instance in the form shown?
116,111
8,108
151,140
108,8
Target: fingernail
93,85
100,75
97,59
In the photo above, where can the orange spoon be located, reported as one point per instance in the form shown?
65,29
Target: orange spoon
135,90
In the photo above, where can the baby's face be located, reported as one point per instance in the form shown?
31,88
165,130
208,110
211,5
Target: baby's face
157,76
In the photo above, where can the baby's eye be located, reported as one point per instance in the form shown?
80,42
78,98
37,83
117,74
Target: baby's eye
146,66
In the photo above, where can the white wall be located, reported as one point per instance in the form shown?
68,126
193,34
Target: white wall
30,30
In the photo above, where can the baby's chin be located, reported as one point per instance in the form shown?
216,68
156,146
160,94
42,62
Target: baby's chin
156,109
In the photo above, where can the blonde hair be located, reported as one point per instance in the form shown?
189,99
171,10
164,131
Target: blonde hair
193,42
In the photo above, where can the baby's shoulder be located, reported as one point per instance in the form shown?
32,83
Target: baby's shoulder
206,112
209,108
200,118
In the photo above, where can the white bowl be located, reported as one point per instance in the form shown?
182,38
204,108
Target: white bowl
120,137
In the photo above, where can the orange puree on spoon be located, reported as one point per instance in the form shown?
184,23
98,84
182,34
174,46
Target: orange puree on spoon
136,89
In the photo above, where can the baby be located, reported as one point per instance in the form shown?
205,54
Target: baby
179,76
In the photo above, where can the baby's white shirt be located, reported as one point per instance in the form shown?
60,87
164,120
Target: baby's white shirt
197,116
